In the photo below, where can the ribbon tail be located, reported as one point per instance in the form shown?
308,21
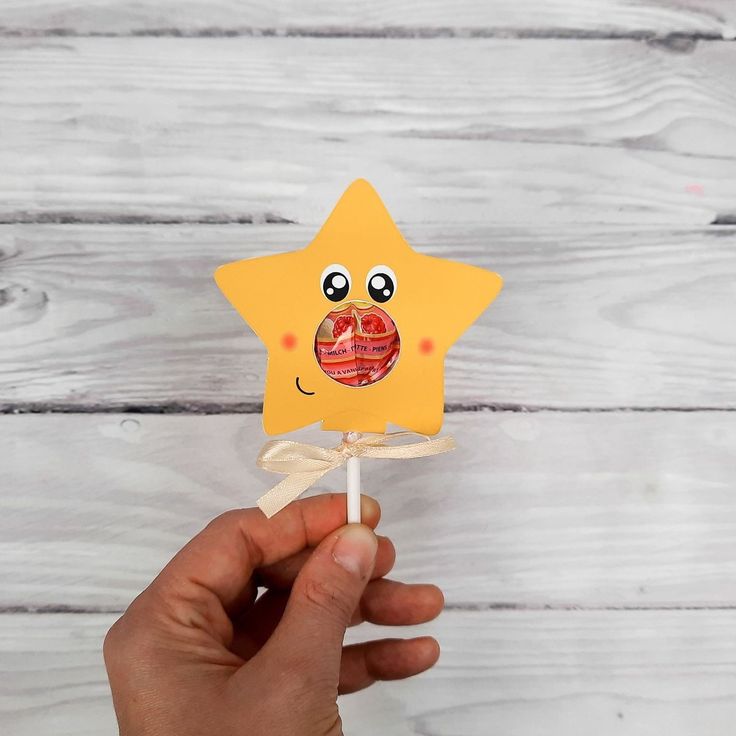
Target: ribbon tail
434,446
288,490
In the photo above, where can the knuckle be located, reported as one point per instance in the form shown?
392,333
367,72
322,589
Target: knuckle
333,726
313,704
234,523
328,600
121,644
226,520
129,639
112,643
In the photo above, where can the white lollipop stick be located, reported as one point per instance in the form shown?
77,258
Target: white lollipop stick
353,468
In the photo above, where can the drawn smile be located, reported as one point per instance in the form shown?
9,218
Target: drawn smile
306,393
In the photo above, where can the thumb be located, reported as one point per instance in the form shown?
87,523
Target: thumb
324,596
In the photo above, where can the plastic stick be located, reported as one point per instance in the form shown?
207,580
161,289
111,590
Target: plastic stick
353,471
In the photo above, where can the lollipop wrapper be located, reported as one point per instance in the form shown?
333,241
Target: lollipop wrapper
357,344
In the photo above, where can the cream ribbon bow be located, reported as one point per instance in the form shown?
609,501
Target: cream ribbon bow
305,464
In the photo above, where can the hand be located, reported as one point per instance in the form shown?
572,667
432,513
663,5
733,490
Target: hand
197,653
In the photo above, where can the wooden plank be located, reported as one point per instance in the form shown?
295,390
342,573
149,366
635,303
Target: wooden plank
614,509
110,316
472,17
502,131
565,672
53,678
627,672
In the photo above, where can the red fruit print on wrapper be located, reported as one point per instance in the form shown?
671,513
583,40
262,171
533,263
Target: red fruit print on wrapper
372,324
343,324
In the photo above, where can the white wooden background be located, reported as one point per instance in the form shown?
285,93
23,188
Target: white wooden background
584,532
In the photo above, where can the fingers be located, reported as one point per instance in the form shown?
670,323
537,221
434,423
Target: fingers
220,560
385,659
384,602
391,603
308,640
281,575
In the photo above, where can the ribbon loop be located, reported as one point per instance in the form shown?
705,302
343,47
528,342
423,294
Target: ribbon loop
303,464
286,457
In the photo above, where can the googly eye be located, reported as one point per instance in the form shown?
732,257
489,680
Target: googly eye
381,283
335,282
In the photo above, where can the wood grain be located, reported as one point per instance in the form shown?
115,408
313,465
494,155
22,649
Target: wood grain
634,672
448,130
568,542
580,509
99,317
471,17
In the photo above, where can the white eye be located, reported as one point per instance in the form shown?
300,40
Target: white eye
335,282
381,283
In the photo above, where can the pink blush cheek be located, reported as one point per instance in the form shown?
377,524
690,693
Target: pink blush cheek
426,346
288,341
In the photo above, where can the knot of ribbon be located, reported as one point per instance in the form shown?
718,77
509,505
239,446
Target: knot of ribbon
305,464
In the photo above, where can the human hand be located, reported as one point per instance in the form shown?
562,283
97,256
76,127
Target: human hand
196,653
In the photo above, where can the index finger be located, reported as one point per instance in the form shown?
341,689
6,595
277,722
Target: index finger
221,559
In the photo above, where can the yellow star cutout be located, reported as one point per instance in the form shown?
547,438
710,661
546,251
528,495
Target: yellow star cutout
360,256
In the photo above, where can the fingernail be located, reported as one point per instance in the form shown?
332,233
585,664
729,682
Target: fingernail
355,549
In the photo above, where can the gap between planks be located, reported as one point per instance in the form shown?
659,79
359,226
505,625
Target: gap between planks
95,218
50,608
263,218
207,408
678,42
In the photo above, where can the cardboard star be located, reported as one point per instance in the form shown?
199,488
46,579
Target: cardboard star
359,257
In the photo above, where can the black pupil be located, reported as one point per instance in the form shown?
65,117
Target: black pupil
381,287
336,286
